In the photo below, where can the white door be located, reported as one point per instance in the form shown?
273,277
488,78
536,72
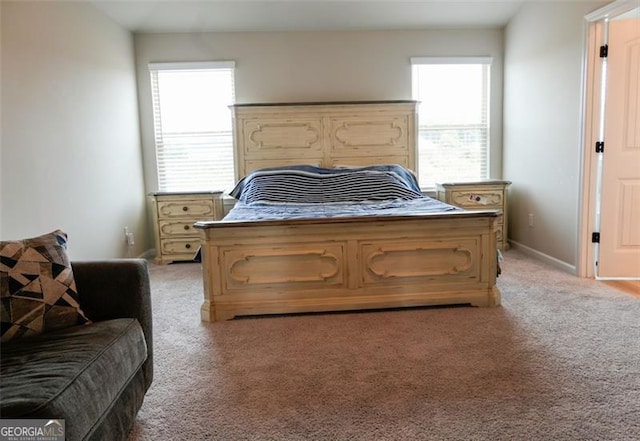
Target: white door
620,213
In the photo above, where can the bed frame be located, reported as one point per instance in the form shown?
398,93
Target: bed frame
305,265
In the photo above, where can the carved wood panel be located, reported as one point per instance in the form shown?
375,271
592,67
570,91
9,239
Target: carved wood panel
272,136
186,208
311,264
394,261
368,134
477,198
187,246
176,227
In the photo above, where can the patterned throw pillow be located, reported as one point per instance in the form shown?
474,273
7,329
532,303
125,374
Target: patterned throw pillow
37,289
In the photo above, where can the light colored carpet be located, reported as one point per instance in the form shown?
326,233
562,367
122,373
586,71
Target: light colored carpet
560,360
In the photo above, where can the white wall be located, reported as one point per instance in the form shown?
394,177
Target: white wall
542,99
70,135
318,66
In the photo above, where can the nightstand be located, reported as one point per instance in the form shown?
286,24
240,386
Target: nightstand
174,216
488,194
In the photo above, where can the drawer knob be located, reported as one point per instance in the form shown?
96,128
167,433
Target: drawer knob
186,227
187,246
185,208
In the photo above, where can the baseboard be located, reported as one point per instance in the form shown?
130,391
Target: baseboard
148,255
557,263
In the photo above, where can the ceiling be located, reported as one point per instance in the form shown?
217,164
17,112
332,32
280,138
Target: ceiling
292,15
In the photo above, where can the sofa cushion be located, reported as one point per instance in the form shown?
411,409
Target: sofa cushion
75,374
37,289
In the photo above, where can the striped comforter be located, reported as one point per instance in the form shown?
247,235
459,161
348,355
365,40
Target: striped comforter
299,192
307,184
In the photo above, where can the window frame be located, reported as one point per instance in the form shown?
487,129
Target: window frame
154,68
487,63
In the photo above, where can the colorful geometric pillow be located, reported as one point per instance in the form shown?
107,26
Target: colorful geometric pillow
37,289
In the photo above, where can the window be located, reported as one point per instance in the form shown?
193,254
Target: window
192,119
453,118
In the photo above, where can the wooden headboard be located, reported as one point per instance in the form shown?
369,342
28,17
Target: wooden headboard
325,134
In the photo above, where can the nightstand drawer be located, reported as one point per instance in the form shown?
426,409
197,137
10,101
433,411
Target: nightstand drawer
479,199
183,246
186,208
182,228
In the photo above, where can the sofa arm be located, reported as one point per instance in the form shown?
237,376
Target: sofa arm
118,288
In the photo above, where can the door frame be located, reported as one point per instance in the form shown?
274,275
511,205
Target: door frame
590,127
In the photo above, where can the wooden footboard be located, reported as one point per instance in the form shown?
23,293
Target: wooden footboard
272,267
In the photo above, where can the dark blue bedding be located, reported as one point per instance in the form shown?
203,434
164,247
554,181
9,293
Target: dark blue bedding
305,191
306,184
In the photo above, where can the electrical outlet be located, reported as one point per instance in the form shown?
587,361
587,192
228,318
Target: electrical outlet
128,236
531,220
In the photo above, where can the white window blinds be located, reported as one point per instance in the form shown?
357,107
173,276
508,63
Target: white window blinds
192,119
453,118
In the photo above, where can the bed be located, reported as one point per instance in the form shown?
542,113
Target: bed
307,249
